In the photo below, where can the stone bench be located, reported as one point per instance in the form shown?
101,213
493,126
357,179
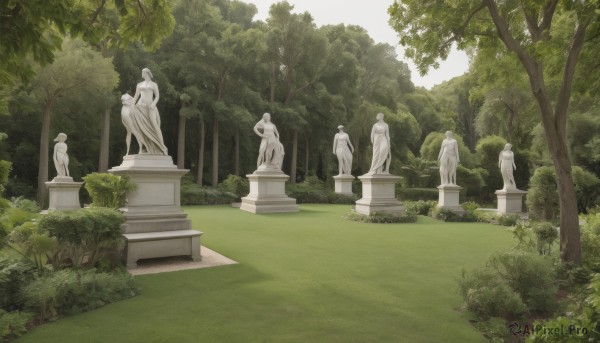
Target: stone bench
162,244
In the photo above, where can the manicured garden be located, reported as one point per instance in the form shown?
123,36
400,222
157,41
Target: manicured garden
303,277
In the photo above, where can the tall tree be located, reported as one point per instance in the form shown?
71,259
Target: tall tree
530,31
75,68
297,55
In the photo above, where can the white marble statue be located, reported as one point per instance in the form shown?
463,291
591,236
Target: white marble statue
382,153
270,153
449,160
60,157
141,118
506,162
343,149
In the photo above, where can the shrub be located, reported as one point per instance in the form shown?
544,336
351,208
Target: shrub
31,243
194,194
470,206
471,180
487,295
447,215
542,199
380,217
508,219
419,207
415,194
25,204
82,233
511,284
236,185
14,274
590,240
545,234
13,324
315,191
108,190
69,291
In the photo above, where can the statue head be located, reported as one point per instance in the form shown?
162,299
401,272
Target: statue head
266,117
62,137
507,146
341,128
379,116
448,134
147,72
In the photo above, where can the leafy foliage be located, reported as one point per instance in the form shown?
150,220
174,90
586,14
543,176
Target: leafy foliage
419,207
108,190
236,185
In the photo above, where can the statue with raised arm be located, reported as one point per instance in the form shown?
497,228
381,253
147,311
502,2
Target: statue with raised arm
506,163
270,153
60,157
449,160
382,153
142,117
343,149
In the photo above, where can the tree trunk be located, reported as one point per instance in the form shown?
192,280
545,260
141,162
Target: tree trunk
215,153
236,162
294,157
306,162
181,143
104,140
200,171
42,192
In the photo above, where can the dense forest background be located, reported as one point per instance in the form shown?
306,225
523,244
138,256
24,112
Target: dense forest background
220,70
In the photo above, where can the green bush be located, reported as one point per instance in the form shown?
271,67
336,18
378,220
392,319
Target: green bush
25,204
69,291
508,219
236,185
5,167
108,190
545,234
447,215
525,280
315,191
14,274
470,206
590,240
472,180
194,194
415,194
380,217
13,324
419,207
542,199
81,234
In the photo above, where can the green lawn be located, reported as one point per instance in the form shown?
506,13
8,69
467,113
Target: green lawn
303,277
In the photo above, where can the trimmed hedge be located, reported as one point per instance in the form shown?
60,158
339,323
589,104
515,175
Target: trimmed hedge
415,194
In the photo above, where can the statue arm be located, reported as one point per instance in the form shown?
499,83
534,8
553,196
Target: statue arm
256,127
512,159
137,94
335,142
156,95
387,136
275,131
500,160
54,156
350,144
456,150
373,134
441,151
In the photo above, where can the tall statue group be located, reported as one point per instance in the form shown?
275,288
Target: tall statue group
141,119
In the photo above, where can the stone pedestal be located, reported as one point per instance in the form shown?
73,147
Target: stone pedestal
510,201
155,225
63,193
267,193
449,198
343,184
379,195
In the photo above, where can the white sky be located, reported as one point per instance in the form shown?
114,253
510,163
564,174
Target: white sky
371,15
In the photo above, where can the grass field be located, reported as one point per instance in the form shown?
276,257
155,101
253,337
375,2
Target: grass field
303,277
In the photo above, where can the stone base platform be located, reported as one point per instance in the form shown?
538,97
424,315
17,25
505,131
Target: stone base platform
267,193
343,184
510,201
449,198
63,193
155,225
379,195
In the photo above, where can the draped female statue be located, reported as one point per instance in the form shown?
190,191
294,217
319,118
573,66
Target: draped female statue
382,153
270,153
506,162
343,149
449,160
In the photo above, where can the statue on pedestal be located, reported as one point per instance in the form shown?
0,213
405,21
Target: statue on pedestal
60,157
142,118
449,160
506,163
270,153
343,149
382,153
